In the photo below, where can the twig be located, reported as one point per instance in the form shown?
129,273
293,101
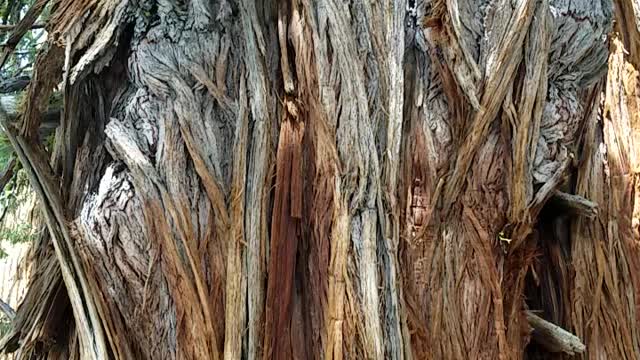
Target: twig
553,337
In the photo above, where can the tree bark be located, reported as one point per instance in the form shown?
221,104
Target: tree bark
334,180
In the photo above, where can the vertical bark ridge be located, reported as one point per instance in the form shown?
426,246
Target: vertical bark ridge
526,122
357,125
392,294
628,15
285,232
606,178
522,111
320,169
337,273
502,43
193,315
262,112
235,314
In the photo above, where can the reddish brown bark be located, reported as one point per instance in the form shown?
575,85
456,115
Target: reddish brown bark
285,236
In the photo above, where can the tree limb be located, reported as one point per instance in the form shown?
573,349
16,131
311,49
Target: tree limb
576,204
5,177
20,29
553,337
14,84
4,28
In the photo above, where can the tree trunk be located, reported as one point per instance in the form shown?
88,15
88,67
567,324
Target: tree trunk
335,180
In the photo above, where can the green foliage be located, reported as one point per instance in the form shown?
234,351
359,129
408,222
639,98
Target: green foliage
16,192
5,326
6,150
22,232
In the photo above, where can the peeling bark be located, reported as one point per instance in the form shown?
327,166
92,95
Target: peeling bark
336,180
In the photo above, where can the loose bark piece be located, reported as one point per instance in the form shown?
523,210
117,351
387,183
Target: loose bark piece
285,232
46,76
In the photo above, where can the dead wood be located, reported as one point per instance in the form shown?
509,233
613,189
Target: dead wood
575,204
553,337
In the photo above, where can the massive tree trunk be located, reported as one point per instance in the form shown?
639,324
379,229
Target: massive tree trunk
335,180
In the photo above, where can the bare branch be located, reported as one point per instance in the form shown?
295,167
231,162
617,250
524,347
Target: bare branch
20,29
553,337
5,28
14,84
576,204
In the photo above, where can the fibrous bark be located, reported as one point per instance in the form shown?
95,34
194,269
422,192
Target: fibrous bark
334,180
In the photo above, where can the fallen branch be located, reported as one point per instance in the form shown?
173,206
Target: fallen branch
576,204
7,310
554,338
